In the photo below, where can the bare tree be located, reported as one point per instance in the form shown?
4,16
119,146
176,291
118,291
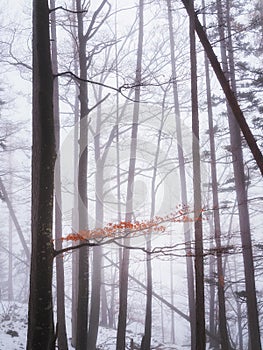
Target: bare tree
61,322
122,319
40,316
239,177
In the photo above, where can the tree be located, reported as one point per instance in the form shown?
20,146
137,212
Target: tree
61,322
217,226
122,320
199,259
83,272
40,314
239,177
230,96
181,159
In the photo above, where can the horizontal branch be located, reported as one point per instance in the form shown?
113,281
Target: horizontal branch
117,89
67,10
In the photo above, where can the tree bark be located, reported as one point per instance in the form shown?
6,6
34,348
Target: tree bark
199,259
40,316
181,159
230,96
61,322
239,177
10,240
122,319
97,251
217,226
14,218
83,277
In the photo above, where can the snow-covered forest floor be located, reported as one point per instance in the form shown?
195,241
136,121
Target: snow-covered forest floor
13,330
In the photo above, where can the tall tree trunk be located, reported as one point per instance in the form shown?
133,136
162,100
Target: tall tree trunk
239,178
199,259
61,322
172,298
122,320
83,276
75,225
40,316
187,229
230,96
220,276
97,251
146,340
14,218
75,218
10,239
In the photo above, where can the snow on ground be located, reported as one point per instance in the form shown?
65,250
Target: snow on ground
13,326
13,330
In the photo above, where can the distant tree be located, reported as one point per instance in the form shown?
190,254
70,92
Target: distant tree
181,160
61,322
122,319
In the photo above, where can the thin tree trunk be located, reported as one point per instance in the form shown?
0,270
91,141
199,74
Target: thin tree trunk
146,340
239,178
14,218
172,300
122,320
75,225
10,237
104,317
158,297
187,229
83,277
220,276
230,96
97,251
61,322
40,316
75,218
199,259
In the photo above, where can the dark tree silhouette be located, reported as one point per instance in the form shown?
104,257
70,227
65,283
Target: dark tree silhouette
40,316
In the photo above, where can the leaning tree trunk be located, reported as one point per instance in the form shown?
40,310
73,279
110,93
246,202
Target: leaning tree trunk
230,96
40,316
122,320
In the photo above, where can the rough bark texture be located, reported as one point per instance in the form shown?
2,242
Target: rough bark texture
40,316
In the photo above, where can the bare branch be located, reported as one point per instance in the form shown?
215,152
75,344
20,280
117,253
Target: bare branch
67,10
100,102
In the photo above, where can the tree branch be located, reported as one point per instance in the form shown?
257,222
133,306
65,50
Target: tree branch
67,10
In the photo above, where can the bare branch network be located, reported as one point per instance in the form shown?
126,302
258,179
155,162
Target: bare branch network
117,89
